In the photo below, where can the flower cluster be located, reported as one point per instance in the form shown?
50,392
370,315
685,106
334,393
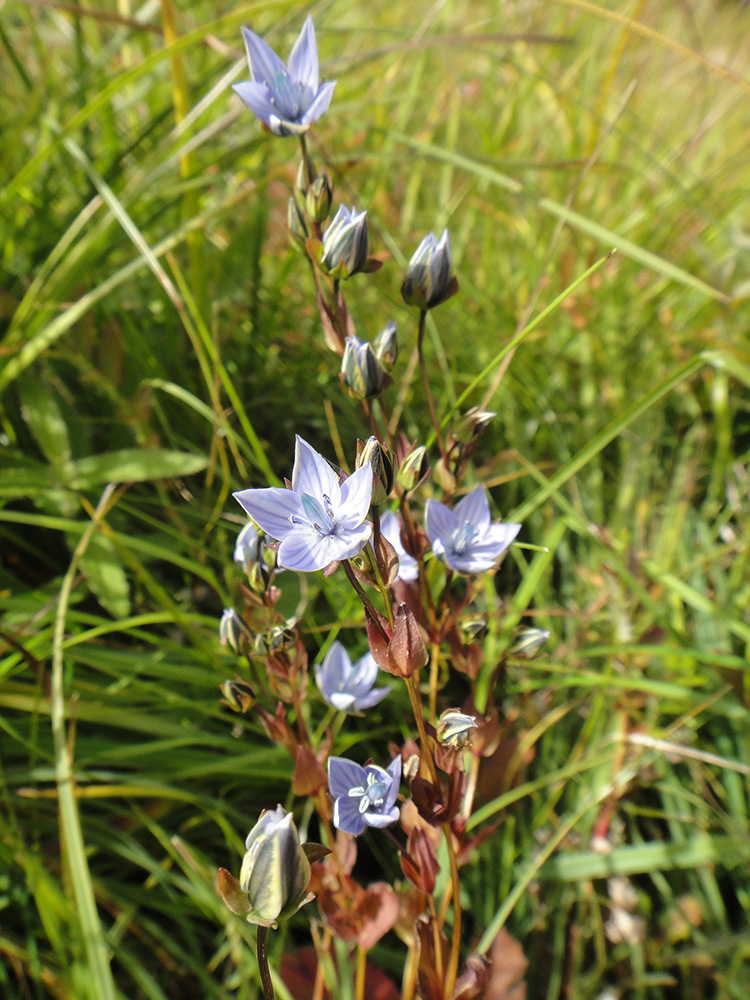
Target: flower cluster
388,539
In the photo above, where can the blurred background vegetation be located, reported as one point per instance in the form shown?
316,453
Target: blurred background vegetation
160,336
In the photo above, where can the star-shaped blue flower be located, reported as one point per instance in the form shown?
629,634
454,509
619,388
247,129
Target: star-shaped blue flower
364,796
464,538
347,687
319,520
287,98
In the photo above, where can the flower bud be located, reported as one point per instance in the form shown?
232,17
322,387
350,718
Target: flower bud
297,223
471,424
529,641
361,371
414,468
345,248
306,177
429,279
381,460
275,872
406,650
385,345
259,577
474,631
319,198
233,631
239,695
454,728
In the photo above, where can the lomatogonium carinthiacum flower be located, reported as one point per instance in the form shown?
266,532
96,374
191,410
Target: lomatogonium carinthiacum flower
319,520
465,538
287,98
364,796
347,686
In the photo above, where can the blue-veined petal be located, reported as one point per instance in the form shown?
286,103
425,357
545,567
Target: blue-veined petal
343,775
303,59
356,493
440,521
313,475
347,817
257,97
474,509
264,64
320,105
381,819
271,509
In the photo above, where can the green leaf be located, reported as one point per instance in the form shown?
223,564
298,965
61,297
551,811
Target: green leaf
105,573
134,465
44,418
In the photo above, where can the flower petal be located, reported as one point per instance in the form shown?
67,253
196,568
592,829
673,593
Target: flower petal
319,105
264,64
356,494
440,522
381,819
362,675
313,475
271,509
333,672
394,770
347,817
474,509
306,550
374,697
257,97
303,59
343,701
343,775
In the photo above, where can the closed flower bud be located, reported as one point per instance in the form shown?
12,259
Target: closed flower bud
454,728
319,198
471,424
233,631
361,371
297,223
306,175
259,577
429,279
385,345
345,247
474,631
381,460
529,641
275,872
414,468
239,695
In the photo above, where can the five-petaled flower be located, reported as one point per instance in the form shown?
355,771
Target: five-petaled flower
408,567
346,686
287,98
319,520
364,796
464,538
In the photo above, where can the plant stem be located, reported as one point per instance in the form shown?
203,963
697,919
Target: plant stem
363,597
265,972
434,664
361,969
450,978
427,389
416,707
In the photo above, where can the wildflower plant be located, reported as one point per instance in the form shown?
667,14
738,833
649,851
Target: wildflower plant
413,548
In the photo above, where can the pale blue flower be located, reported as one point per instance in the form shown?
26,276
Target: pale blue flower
364,796
347,687
464,538
287,98
319,520
408,567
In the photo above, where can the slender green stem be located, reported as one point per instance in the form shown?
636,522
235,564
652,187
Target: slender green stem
265,972
426,381
416,707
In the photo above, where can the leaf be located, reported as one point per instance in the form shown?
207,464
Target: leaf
105,573
134,465
44,418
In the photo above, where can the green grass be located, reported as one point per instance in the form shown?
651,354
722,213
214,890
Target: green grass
160,335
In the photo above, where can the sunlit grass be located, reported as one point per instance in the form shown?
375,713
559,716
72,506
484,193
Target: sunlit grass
161,335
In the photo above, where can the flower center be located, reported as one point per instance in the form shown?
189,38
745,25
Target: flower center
319,516
464,537
374,795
